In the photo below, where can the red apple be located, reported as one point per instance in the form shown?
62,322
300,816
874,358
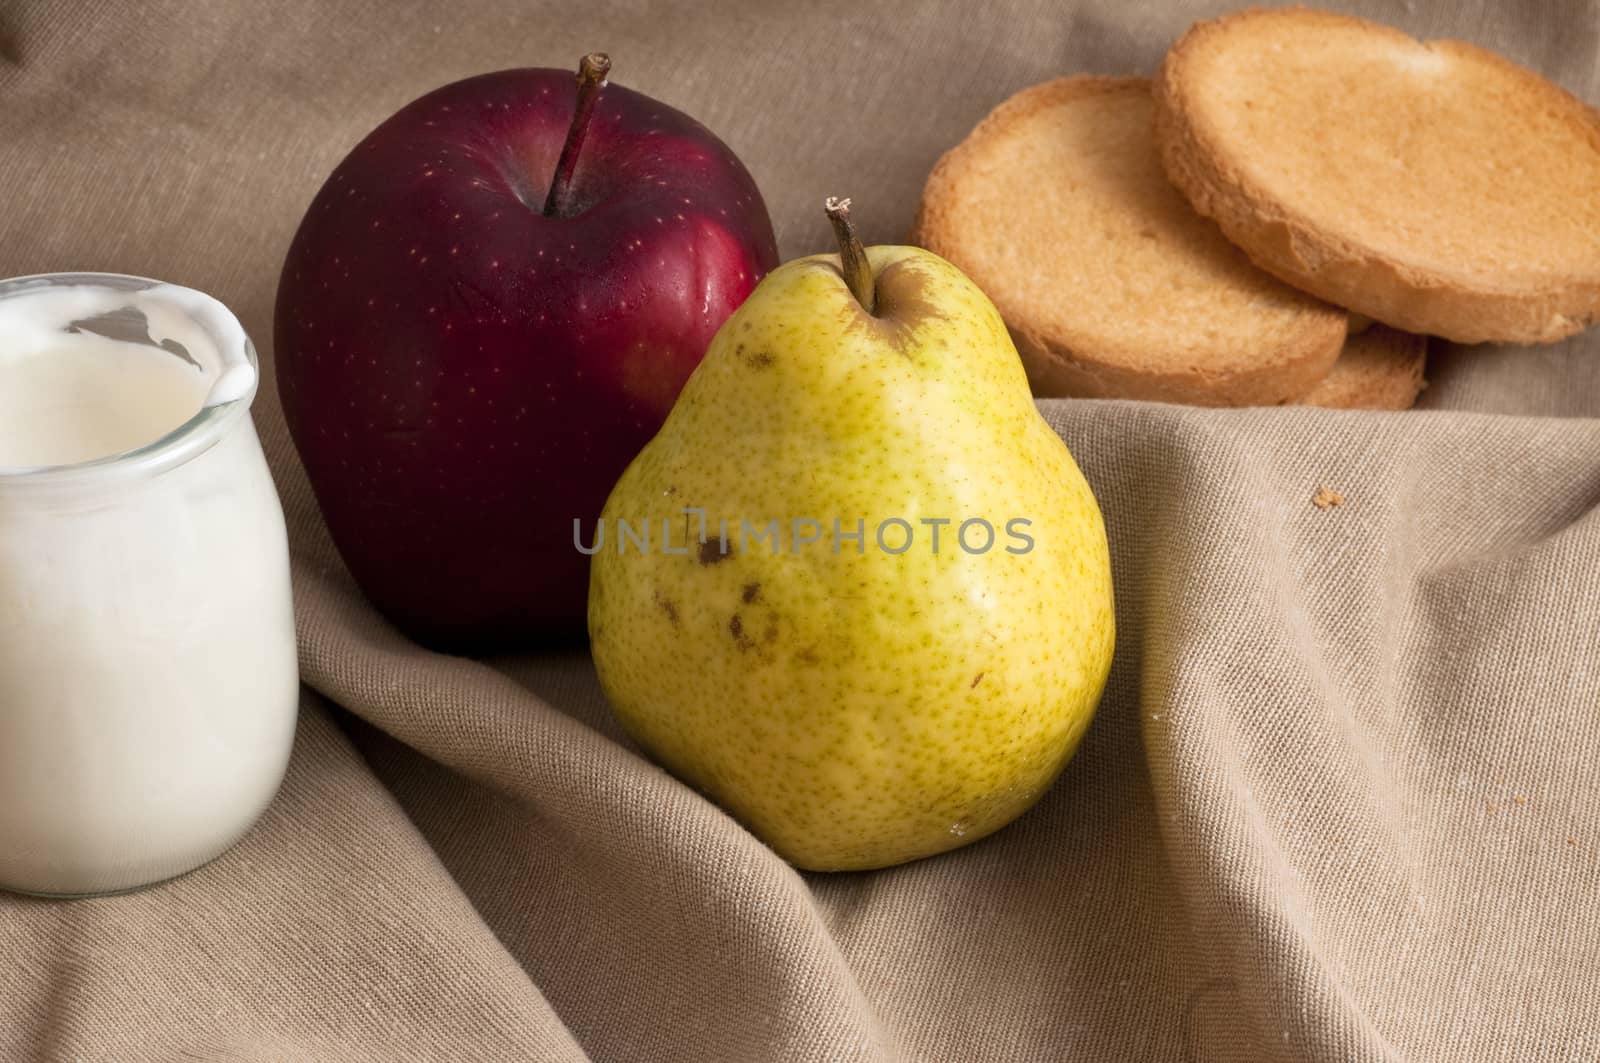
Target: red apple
471,346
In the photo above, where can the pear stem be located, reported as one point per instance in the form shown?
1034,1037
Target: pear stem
592,71
852,256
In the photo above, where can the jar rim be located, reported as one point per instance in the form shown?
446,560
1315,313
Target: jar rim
184,443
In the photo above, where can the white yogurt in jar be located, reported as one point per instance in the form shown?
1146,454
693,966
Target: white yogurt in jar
148,681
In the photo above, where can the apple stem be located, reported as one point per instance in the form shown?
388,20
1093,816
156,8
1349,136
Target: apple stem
852,256
592,71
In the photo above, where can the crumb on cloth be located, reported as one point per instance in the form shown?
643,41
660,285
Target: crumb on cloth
1327,498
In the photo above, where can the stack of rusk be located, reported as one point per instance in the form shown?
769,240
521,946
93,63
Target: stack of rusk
1282,216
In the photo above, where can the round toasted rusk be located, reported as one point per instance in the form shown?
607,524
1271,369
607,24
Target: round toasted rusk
1112,286
1436,187
1380,368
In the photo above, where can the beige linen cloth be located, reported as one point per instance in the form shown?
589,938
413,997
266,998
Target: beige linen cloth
1340,801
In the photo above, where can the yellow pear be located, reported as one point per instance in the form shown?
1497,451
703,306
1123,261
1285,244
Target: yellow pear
856,590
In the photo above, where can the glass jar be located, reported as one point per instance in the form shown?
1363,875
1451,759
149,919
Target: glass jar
148,676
